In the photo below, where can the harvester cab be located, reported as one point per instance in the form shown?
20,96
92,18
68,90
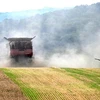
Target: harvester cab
20,47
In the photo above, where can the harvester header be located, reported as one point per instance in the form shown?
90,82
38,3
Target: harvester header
19,39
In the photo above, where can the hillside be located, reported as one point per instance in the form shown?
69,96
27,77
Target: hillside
17,15
66,29
56,83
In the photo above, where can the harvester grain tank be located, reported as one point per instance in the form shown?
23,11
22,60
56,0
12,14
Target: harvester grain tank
20,47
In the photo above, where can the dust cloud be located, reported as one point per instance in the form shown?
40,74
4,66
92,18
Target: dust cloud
70,58
64,38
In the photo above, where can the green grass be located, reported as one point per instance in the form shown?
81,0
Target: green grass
30,93
90,78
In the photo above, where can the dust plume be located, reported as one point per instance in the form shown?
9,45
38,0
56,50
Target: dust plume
64,38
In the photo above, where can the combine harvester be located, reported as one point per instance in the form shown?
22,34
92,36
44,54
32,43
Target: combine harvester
20,48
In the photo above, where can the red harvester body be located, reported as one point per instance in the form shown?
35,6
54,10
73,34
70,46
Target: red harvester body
20,47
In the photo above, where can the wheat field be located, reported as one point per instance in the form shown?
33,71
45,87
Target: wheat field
56,83
9,90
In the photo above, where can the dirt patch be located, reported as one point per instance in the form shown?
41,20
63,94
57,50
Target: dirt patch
9,90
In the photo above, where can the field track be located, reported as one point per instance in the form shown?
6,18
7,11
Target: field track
50,84
9,90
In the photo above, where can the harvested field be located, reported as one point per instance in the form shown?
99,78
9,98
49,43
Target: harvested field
56,83
9,90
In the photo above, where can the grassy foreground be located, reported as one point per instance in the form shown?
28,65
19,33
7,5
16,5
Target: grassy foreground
56,83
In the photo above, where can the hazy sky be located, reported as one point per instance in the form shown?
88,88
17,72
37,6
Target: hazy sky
17,5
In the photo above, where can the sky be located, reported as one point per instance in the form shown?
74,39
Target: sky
18,5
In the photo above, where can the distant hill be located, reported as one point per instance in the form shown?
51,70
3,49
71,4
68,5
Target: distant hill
24,14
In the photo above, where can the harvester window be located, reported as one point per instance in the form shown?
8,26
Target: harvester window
12,45
28,45
21,45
